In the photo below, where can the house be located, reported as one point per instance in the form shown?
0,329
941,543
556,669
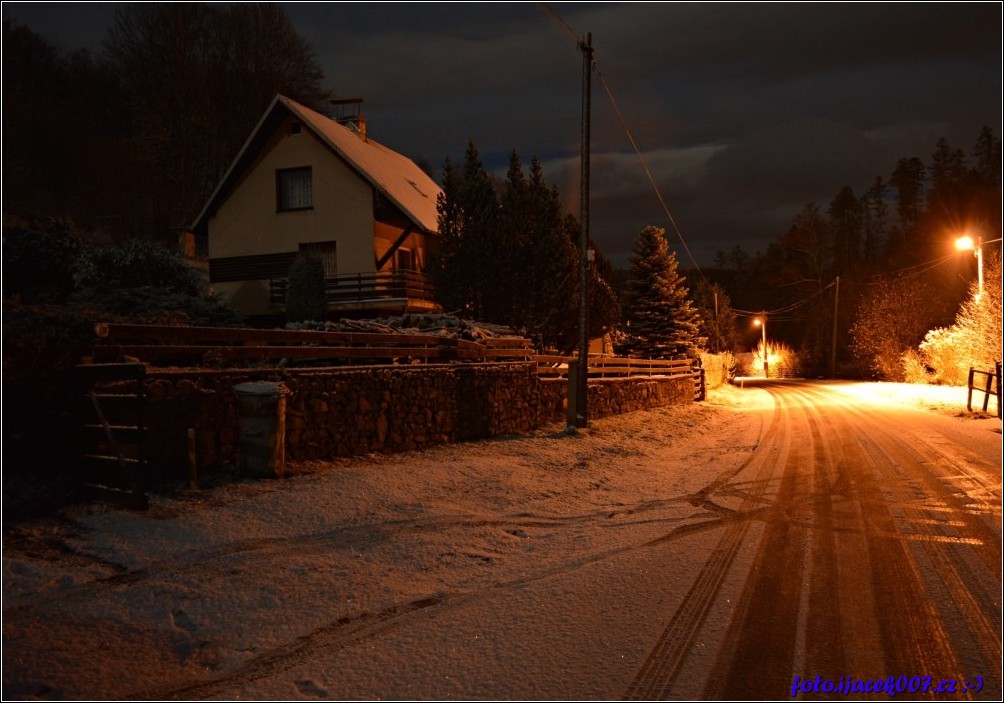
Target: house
306,183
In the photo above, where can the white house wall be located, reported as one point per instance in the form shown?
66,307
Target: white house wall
248,223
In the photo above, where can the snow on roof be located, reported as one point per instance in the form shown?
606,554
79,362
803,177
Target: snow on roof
394,175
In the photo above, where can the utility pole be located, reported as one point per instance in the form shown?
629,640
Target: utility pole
833,345
582,368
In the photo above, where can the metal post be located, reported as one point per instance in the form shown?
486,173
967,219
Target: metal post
979,265
763,326
833,346
573,392
582,371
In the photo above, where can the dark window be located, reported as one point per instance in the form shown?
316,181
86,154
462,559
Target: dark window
294,189
326,252
403,260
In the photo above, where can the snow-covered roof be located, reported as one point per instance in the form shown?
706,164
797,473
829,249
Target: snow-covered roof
393,175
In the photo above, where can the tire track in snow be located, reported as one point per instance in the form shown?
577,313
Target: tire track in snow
661,667
347,631
201,561
907,595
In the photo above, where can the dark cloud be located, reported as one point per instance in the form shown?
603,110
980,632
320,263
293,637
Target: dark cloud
744,112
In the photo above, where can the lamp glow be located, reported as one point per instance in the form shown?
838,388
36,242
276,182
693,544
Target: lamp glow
965,243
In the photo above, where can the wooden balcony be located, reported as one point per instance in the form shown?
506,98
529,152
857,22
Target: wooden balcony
393,291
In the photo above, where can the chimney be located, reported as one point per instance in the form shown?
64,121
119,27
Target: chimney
349,112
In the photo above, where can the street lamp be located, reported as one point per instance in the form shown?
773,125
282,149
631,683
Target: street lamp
763,325
966,243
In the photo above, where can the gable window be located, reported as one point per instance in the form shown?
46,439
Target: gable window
294,189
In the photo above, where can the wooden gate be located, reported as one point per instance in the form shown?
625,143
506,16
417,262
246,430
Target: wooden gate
113,451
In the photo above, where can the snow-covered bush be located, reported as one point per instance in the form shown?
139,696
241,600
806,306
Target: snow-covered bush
782,361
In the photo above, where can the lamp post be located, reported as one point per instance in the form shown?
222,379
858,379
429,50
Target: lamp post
762,323
966,243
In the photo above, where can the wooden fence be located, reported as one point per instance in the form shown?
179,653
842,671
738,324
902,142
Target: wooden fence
208,346
358,287
215,346
990,385
625,367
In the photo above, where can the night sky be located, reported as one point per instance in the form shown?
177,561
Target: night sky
743,112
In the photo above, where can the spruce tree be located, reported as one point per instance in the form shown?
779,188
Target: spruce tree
718,320
305,291
662,323
464,270
552,303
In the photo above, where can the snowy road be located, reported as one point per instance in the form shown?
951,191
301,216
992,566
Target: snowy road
713,551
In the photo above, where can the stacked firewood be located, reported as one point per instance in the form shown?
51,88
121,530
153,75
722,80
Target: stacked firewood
438,324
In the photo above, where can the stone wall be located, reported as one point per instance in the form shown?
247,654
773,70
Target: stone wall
337,412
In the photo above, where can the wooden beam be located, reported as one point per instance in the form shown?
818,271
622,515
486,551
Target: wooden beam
394,247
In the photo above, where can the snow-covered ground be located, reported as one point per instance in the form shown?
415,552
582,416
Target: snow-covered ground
254,584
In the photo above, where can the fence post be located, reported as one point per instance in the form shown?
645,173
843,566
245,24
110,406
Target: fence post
969,400
986,393
997,370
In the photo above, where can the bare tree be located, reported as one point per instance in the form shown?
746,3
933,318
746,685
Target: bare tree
196,78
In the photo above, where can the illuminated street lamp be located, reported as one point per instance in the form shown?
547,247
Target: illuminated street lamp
763,324
966,243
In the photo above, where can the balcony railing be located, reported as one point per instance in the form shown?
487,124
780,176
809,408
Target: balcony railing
398,289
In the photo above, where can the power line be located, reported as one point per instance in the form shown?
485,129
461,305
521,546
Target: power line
644,165
921,268
547,10
785,309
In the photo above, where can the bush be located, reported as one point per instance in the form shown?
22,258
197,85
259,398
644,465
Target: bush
944,351
892,317
782,361
975,339
38,261
146,283
306,298
915,370
135,264
158,306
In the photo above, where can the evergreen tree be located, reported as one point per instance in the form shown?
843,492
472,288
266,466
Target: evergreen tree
718,320
845,214
464,269
661,322
908,180
808,246
604,308
518,227
875,213
305,292
987,159
508,254
948,171
552,278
